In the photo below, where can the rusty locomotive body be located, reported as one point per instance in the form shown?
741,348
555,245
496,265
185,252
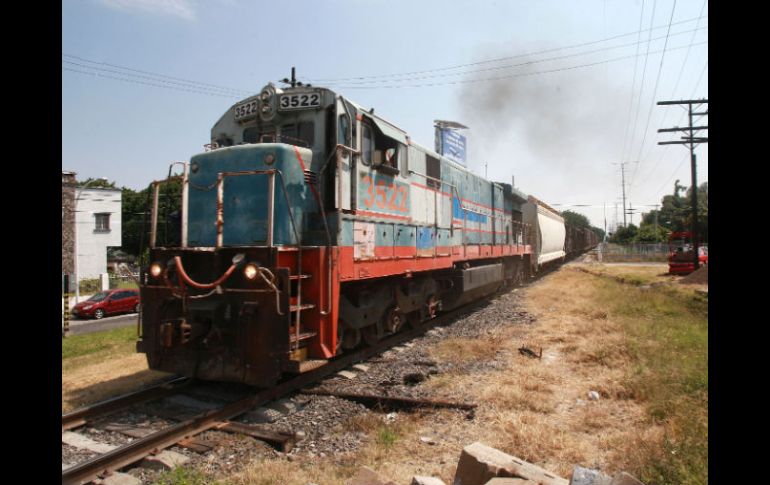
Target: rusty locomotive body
311,226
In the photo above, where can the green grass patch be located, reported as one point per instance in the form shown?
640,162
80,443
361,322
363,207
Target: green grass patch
92,346
667,339
185,476
386,436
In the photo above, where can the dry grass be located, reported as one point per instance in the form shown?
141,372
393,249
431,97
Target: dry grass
87,384
458,350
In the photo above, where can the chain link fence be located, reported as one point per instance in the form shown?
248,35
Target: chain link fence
632,253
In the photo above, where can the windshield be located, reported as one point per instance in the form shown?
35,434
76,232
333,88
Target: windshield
99,296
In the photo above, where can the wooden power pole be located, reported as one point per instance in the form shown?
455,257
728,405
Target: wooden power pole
691,140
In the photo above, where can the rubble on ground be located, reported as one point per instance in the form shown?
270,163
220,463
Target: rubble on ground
480,464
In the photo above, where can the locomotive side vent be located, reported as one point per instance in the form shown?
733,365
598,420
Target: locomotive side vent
311,177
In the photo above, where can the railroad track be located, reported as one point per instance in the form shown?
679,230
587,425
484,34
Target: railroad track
220,417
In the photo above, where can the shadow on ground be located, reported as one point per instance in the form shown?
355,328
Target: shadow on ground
100,391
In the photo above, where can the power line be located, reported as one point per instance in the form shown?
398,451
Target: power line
641,85
460,66
189,81
133,81
510,76
509,66
633,83
654,92
665,147
199,88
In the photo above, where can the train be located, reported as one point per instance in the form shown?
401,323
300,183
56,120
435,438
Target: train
311,226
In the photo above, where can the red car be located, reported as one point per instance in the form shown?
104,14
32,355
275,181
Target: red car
107,303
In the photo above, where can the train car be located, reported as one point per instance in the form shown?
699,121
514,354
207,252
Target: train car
310,226
548,235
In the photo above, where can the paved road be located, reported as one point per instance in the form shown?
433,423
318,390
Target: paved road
79,327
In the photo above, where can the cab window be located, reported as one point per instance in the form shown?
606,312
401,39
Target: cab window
302,133
367,144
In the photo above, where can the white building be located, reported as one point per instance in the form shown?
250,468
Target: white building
97,225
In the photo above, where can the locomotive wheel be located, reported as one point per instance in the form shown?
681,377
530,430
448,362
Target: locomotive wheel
429,310
394,320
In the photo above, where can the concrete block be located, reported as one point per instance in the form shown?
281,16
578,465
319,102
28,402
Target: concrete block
366,476
165,460
116,478
347,374
586,476
480,463
418,480
82,442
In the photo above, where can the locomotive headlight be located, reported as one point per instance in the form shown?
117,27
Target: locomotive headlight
250,271
155,269
265,96
269,159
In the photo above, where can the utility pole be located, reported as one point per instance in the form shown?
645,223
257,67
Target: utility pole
631,213
691,140
623,186
656,222
605,221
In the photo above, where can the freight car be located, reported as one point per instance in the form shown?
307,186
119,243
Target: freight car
311,226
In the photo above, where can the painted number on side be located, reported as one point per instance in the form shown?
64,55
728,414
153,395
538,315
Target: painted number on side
384,194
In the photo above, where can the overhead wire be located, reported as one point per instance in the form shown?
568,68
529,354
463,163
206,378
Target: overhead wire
641,84
678,79
155,74
499,59
652,103
679,121
134,81
510,76
201,88
633,85
510,66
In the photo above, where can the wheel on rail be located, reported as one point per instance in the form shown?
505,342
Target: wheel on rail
394,320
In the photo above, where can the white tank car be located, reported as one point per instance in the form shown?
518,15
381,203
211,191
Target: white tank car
548,232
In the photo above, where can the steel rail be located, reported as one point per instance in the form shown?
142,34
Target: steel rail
81,416
125,455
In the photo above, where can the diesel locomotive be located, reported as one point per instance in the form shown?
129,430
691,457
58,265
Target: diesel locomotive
310,226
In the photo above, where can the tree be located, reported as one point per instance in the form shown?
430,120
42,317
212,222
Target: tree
575,219
92,182
624,235
136,216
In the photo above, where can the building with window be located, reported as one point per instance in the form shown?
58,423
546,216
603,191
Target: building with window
91,222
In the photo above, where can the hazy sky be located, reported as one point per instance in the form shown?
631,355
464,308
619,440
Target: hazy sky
550,89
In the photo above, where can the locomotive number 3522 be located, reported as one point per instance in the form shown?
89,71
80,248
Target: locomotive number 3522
299,101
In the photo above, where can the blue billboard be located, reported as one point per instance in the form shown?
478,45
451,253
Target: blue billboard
452,145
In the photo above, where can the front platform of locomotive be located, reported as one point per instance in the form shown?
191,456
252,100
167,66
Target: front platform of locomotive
218,305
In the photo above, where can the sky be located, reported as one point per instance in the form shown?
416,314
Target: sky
557,94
